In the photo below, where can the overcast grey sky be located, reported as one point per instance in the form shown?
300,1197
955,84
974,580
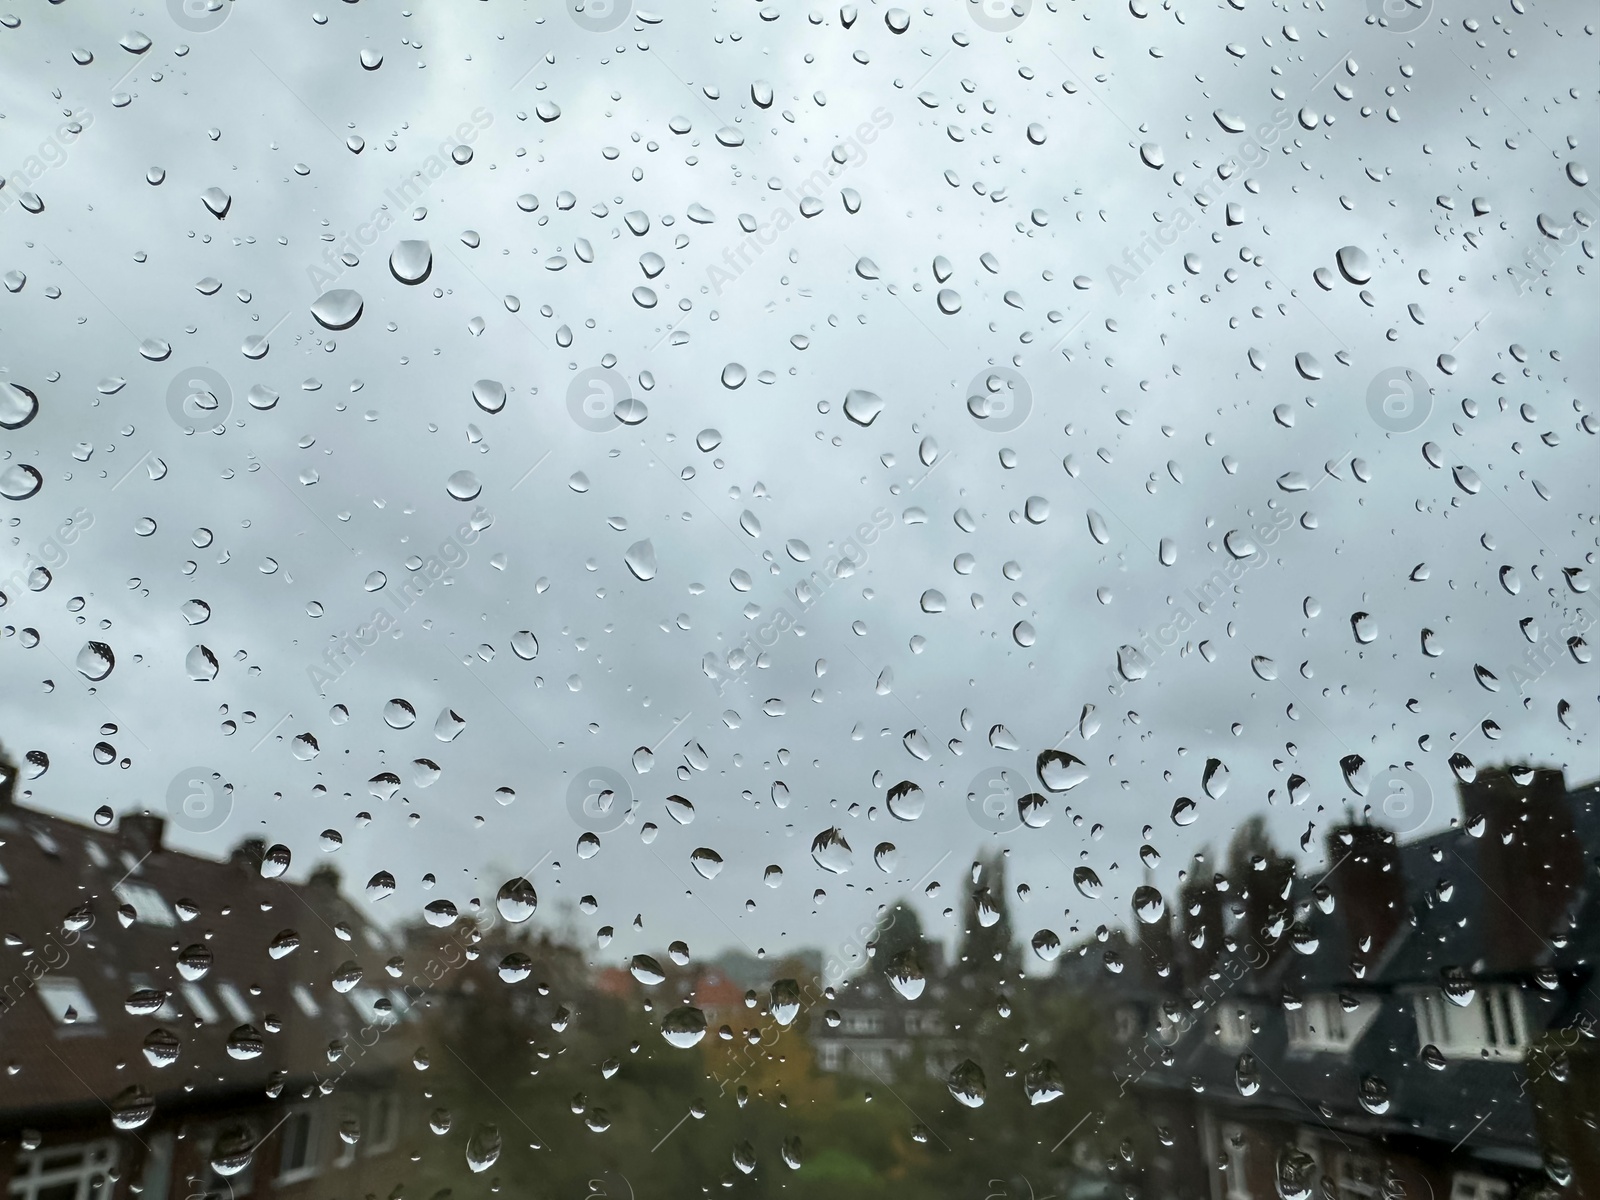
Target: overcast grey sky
1195,374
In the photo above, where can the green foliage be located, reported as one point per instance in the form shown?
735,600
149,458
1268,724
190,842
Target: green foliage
673,1117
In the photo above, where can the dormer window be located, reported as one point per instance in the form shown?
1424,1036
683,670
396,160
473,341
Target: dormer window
1492,1025
1234,1028
1329,1022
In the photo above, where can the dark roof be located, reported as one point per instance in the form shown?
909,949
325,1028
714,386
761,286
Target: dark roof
1511,899
61,887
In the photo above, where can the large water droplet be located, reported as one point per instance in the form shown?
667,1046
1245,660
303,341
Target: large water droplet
641,560
95,661
1354,264
20,481
18,405
411,262
217,201
464,486
684,1027
516,900
338,309
968,1085
831,852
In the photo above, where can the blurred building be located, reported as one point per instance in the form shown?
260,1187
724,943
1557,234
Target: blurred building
1413,1019
872,1031
173,1026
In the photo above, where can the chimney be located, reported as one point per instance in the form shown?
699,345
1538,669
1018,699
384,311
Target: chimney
141,832
326,877
248,854
1369,890
1529,858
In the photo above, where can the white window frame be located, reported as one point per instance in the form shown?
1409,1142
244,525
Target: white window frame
1349,1166
311,1167
383,1123
29,1177
1321,1023
1494,1025
344,1153
1467,1186
233,1000
868,1022
150,907
199,1003
1234,1027
59,992
1235,1148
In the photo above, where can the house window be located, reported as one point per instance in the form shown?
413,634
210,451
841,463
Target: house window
1323,1022
1233,1028
210,1184
148,904
66,1000
1234,1149
1172,1024
1478,1187
1493,1025
383,1122
344,1153
1127,1023
863,1022
65,1173
235,1002
297,1158
365,1001
200,1003
1359,1176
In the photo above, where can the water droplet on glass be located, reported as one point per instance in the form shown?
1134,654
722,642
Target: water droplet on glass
338,309
411,262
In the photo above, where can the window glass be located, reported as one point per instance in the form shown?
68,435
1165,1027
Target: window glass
990,599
